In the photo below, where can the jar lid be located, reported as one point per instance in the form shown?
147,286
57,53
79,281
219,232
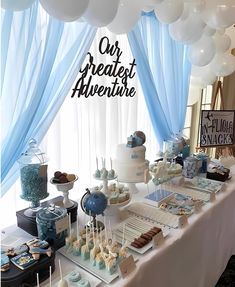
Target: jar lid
51,212
33,154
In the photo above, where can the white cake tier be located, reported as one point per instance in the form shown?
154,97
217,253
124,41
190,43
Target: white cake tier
131,172
126,154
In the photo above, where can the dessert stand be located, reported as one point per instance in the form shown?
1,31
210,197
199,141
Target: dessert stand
65,188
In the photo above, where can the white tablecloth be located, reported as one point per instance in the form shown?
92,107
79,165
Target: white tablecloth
194,256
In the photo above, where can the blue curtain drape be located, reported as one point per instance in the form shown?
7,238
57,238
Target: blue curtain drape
164,73
40,59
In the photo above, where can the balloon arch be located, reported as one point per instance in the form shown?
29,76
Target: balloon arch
200,24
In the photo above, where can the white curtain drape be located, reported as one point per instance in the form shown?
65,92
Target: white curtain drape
86,128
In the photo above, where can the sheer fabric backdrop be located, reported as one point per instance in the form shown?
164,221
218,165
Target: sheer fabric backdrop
86,128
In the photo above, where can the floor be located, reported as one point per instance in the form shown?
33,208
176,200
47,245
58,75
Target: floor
227,279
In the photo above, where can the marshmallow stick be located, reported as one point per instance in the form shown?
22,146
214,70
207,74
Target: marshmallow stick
97,230
61,276
105,230
110,229
50,276
37,280
90,218
77,228
123,234
97,165
86,237
70,227
100,235
93,233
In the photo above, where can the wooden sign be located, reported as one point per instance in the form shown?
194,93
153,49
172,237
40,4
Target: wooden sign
217,128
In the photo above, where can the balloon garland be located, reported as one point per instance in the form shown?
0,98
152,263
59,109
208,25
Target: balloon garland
200,24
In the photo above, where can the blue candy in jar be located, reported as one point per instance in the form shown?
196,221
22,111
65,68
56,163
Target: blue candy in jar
190,167
33,174
52,225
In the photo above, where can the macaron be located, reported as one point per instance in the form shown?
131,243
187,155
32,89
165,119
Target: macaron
63,179
57,174
70,177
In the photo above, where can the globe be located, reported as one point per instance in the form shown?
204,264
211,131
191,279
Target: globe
94,203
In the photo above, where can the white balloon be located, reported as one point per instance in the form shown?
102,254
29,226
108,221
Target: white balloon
205,74
202,52
148,4
16,5
169,11
197,82
127,16
68,11
223,64
187,30
208,31
222,42
101,12
219,13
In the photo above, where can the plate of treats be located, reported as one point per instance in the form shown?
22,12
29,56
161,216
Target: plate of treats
204,184
96,252
77,278
181,204
138,233
118,195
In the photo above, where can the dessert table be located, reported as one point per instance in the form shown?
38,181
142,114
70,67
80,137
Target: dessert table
194,256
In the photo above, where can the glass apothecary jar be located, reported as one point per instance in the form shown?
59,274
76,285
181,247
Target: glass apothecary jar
33,176
52,225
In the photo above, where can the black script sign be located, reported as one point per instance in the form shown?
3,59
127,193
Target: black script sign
217,128
116,75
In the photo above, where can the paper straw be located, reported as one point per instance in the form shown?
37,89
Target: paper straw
61,276
97,166
104,162
50,277
111,163
37,280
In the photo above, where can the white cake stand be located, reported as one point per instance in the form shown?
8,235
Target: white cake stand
65,188
132,184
